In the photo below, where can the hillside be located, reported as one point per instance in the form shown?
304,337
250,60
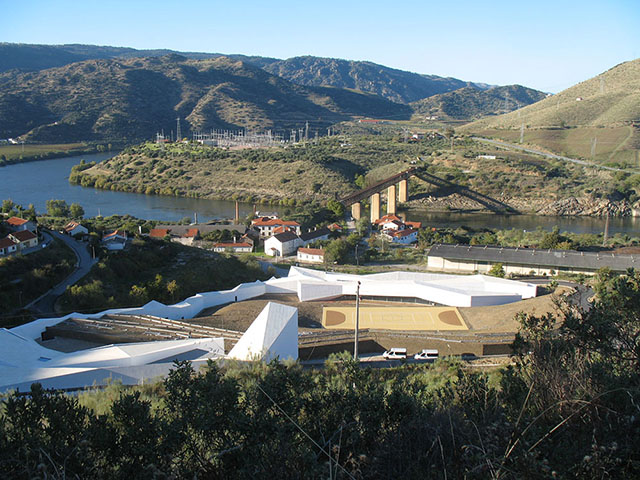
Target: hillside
609,99
470,103
135,98
395,85
596,120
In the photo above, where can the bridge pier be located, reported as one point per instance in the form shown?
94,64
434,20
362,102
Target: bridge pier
356,211
375,207
403,191
391,200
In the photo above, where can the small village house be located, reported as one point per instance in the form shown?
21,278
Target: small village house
310,255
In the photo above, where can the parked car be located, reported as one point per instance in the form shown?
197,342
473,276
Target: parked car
395,354
426,354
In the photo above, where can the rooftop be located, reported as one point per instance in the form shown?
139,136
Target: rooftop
537,257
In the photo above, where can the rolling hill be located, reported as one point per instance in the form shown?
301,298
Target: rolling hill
611,98
470,103
134,98
597,119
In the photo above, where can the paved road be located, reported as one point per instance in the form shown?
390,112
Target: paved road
45,304
500,143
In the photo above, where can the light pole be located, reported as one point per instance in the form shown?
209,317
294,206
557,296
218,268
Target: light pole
355,344
357,262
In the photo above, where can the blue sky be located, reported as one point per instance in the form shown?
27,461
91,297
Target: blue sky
548,45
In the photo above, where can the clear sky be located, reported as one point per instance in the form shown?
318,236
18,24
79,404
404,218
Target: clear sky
548,45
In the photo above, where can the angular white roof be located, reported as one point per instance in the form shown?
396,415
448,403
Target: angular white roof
450,290
274,333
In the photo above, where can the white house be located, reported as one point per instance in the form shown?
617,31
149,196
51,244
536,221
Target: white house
235,247
314,236
267,225
282,244
310,255
7,246
74,228
115,240
24,239
403,237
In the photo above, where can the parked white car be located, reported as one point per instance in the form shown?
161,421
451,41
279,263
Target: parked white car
426,354
395,354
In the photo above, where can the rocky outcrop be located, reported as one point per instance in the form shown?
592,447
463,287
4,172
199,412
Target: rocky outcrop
588,207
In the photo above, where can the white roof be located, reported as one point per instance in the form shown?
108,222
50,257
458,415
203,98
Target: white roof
451,290
274,333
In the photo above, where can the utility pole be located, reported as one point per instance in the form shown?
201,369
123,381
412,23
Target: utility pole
355,344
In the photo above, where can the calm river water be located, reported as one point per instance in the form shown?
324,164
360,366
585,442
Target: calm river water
37,182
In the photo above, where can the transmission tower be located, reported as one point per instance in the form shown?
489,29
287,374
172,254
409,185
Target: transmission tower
178,132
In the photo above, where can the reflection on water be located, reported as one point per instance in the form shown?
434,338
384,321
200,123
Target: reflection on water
37,182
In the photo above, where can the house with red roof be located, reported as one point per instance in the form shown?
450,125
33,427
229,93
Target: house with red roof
17,224
115,240
159,233
310,255
403,237
235,247
7,246
24,239
267,225
74,228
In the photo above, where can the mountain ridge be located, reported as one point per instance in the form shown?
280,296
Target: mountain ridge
135,98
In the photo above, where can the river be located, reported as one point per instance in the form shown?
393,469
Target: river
37,182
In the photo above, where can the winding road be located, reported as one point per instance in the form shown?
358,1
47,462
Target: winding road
45,304
500,143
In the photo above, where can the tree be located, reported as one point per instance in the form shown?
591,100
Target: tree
497,270
336,251
7,206
57,208
336,207
76,210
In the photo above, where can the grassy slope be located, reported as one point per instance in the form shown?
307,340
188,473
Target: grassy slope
608,112
318,171
194,270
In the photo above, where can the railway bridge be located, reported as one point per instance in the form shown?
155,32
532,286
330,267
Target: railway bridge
398,191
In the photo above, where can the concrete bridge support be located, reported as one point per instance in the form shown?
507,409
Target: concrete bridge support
375,207
403,192
391,200
356,211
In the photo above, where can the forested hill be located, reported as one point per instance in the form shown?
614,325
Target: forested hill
470,103
135,98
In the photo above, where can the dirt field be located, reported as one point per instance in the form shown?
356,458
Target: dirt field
501,318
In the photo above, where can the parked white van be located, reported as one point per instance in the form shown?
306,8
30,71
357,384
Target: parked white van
426,354
395,354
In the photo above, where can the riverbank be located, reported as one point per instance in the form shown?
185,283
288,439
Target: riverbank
14,154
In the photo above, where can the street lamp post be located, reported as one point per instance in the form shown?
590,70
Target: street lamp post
355,344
